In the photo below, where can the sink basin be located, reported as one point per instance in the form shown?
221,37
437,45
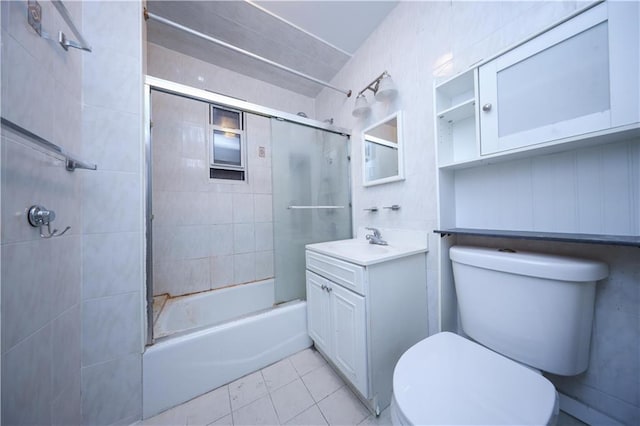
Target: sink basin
357,246
361,252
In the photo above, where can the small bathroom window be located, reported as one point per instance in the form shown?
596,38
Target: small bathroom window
227,144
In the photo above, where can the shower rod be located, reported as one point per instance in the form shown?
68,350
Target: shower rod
148,15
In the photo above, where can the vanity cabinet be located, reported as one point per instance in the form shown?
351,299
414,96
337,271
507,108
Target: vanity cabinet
336,323
362,318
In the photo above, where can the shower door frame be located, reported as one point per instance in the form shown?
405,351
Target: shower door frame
170,87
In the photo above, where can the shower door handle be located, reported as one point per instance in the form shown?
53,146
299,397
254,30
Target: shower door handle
313,207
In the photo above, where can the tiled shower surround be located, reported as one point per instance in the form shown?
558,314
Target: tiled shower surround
207,233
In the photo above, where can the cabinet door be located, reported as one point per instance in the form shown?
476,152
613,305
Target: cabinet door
349,344
319,312
554,86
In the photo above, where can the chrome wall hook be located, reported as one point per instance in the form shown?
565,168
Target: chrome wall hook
38,216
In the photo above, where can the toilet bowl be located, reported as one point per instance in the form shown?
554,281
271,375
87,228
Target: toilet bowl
447,379
525,312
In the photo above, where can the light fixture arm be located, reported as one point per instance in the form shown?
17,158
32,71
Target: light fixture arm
373,86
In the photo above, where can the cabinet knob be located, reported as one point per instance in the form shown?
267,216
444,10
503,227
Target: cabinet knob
324,287
486,107
329,289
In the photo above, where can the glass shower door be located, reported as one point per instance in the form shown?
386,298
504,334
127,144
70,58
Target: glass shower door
311,198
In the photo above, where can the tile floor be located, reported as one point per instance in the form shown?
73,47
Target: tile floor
299,390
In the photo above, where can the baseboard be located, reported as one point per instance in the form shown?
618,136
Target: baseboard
584,413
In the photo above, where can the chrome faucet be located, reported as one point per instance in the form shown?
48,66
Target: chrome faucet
375,238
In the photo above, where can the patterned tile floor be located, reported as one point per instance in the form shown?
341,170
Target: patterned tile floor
299,390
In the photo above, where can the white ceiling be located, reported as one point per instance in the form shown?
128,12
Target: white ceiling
343,24
313,37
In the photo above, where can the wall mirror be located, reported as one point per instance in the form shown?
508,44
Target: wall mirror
382,151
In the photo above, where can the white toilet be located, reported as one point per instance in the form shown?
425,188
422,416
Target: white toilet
527,312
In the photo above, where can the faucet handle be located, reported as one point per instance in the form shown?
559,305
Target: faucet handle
376,232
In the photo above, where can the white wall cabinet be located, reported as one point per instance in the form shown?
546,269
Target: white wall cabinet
363,318
569,81
573,85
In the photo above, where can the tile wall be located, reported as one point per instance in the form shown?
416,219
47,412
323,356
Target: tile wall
112,214
428,41
173,66
41,278
210,233
207,233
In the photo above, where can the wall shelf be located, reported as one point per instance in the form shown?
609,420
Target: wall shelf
615,240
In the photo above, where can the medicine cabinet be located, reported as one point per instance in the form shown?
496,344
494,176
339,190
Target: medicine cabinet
573,85
382,151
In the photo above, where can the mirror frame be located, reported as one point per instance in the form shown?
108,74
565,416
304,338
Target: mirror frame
400,176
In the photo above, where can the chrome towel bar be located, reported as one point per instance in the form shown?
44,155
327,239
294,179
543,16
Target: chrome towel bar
71,162
313,207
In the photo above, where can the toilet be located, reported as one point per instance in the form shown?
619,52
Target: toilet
523,313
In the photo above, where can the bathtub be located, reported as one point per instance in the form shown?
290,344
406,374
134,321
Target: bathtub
179,368
213,307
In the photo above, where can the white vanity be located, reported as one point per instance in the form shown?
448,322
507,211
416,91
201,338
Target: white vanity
366,305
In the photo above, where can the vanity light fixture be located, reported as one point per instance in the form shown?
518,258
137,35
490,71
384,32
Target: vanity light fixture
383,88
361,108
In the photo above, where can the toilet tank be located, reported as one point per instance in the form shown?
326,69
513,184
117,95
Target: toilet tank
531,307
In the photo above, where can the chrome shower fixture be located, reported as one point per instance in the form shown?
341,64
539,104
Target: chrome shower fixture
383,88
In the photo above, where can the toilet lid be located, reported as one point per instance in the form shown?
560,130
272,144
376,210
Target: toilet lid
447,379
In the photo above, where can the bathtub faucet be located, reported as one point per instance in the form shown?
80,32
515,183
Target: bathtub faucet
375,238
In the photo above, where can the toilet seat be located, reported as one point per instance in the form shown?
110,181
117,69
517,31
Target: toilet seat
447,379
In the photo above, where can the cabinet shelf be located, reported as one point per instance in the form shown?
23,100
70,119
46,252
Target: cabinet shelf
456,124
465,109
615,240
602,137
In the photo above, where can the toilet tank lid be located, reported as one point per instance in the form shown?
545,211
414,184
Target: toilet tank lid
530,264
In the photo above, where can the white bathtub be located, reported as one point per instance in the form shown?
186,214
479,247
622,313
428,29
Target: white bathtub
213,307
180,368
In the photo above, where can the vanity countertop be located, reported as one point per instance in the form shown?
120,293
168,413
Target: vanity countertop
360,252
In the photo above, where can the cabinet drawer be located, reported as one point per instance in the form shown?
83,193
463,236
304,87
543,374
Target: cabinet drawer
346,274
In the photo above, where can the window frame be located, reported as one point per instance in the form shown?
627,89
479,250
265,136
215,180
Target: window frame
237,131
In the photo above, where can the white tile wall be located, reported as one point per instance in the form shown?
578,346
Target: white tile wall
106,264
41,281
26,380
112,252
566,192
243,238
264,236
173,66
111,391
109,317
425,41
